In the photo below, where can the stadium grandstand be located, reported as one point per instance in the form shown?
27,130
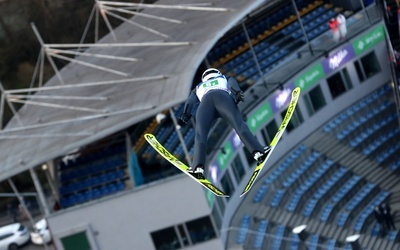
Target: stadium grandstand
106,188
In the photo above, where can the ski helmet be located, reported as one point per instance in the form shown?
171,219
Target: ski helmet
210,73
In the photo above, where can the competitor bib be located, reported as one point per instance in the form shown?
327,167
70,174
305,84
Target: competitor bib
212,84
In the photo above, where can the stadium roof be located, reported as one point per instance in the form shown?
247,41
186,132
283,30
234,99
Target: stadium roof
144,66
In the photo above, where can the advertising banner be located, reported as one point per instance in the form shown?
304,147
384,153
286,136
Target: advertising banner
310,77
282,98
369,40
338,59
259,117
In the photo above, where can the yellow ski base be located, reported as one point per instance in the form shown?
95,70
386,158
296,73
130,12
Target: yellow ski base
151,139
275,140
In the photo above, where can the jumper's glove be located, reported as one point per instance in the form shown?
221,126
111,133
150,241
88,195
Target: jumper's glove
239,95
183,120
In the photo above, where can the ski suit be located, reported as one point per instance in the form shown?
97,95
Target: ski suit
216,98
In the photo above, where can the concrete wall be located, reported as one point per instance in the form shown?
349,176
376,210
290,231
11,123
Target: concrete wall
127,219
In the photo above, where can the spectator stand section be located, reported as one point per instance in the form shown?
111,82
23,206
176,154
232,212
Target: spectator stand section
165,132
308,186
370,127
265,234
92,175
274,36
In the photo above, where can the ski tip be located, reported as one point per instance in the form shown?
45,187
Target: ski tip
243,194
221,194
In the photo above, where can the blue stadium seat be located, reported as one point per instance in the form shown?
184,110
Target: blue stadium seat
346,188
79,198
302,168
395,165
331,244
120,186
387,153
310,206
366,189
326,212
96,193
313,242
330,182
294,201
375,231
295,242
103,178
87,195
112,188
277,197
393,235
342,219
368,210
260,193
64,202
95,181
280,231
260,236
244,227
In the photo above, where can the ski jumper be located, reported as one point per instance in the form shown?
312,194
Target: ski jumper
214,100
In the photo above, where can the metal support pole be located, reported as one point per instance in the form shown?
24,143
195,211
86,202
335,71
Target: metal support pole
15,113
96,24
141,14
22,202
302,27
128,143
48,56
185,150
37,69
365,11
252,49
40,193
76,53
59,97
136,24
105,18
1,110
90,65
85,31
50,166
161,6
52,105
394,74
83,118
397,97
89,84
42,54
115,45
42,135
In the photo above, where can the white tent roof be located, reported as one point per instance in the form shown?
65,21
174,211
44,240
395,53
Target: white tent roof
83,103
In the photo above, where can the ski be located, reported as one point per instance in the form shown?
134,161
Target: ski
152,140
275,140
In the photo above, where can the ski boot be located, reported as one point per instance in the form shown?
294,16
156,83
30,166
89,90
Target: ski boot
197,172
260,157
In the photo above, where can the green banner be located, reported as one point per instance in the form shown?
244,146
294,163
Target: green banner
310,77
259,117
369,40
210,198
224,157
